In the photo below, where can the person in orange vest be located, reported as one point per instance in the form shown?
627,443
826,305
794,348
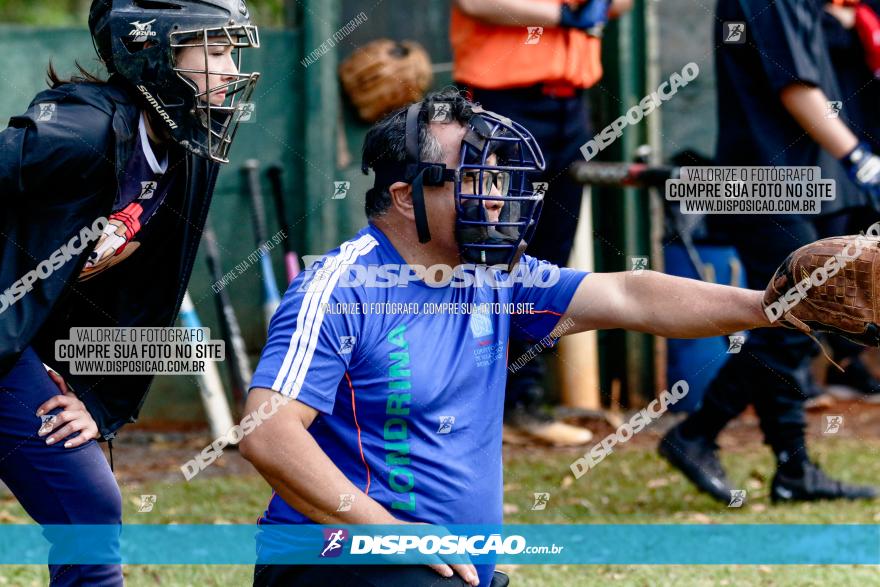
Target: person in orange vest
532,60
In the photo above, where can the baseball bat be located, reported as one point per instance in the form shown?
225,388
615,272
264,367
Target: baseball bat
291,260
623,174
210,385
271,297
236,355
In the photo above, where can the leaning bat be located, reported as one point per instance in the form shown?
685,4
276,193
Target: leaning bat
271,297
291,260
623,174
236,358
213,396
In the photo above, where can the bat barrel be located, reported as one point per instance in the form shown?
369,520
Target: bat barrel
271,295
622,174
251,170
291,262
210,384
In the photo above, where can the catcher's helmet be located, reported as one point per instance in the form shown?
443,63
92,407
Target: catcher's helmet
139,40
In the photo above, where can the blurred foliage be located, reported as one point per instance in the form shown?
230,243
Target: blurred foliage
74,13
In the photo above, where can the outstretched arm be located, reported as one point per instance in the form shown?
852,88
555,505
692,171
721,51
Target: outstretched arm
526,12
664,305
511,12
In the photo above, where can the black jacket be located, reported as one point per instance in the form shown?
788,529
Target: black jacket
57,177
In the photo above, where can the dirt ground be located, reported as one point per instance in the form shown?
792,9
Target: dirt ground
154,452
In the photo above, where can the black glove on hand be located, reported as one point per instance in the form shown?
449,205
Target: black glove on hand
863,167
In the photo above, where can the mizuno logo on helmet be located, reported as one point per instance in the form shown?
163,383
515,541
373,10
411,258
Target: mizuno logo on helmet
155,104
142,31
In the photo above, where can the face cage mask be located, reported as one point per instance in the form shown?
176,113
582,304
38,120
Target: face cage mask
497,204
220,123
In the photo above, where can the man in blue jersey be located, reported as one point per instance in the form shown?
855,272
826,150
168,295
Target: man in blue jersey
396,373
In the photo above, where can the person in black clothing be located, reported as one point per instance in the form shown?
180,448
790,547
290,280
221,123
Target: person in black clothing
106,187
774,91
862,89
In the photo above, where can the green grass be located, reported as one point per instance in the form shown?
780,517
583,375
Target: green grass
635,486
632,486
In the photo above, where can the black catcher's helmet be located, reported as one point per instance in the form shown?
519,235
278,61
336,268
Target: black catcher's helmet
140,41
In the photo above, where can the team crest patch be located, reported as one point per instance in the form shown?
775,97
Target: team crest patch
481,325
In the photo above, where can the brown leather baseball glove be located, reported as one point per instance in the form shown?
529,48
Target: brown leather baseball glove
384,75
831,285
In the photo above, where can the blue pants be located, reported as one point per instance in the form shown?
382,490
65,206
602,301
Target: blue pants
54,484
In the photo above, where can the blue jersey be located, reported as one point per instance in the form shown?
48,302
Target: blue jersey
408,381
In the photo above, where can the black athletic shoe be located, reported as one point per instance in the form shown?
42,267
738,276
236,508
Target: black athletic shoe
815,484
698,459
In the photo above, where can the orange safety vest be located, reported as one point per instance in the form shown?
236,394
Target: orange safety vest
494,57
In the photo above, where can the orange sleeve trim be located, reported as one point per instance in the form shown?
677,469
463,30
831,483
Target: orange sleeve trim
360,444
536,312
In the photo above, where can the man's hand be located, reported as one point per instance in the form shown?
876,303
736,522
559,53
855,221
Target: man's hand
466,571
589,16
74,417
863,167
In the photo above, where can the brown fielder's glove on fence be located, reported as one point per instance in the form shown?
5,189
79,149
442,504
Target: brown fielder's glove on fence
831,285
384,75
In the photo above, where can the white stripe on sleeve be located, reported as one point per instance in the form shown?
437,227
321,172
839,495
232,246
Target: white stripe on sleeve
311,315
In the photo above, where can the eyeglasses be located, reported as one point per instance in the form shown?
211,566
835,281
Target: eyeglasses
483,181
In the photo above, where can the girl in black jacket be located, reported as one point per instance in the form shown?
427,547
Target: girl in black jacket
105,187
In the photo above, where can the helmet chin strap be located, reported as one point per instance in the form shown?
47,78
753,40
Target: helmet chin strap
413,151
419,210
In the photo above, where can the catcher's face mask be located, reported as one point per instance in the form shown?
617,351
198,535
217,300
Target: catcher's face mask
209,60
497,200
